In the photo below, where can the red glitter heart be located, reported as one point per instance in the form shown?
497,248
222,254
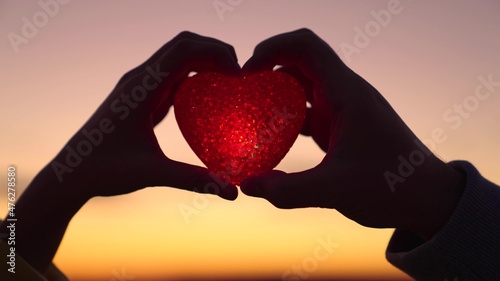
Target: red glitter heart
240,126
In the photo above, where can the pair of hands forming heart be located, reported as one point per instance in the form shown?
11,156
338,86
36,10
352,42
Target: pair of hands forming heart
348,118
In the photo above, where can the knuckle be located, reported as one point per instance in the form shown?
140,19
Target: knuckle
230,49
128,76
184,43
183,46
184,34
262,47
221,52
305,30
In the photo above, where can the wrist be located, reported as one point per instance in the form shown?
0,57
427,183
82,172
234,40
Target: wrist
444,189
69,192
43,212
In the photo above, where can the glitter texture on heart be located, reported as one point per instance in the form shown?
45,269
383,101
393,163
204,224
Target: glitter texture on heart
240,126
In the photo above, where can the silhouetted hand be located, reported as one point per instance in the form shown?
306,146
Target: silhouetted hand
116,151
363,138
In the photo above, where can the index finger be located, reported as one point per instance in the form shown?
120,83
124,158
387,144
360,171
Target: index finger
301,48
185,35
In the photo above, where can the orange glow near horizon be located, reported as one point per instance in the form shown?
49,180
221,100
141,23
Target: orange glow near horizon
428,58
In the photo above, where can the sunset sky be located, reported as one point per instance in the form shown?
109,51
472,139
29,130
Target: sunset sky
428,57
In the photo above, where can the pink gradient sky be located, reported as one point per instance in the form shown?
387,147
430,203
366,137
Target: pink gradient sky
427,59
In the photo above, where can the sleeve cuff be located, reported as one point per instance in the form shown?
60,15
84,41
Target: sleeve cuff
468,246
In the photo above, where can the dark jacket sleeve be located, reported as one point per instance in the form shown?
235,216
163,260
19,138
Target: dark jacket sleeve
468,246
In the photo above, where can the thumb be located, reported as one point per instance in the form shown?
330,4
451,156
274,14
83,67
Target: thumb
288,191
192,178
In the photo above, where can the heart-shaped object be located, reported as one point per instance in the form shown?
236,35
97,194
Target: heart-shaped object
240,126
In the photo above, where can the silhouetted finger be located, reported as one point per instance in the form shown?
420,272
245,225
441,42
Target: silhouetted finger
191,178
301,48
185,35
287,191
